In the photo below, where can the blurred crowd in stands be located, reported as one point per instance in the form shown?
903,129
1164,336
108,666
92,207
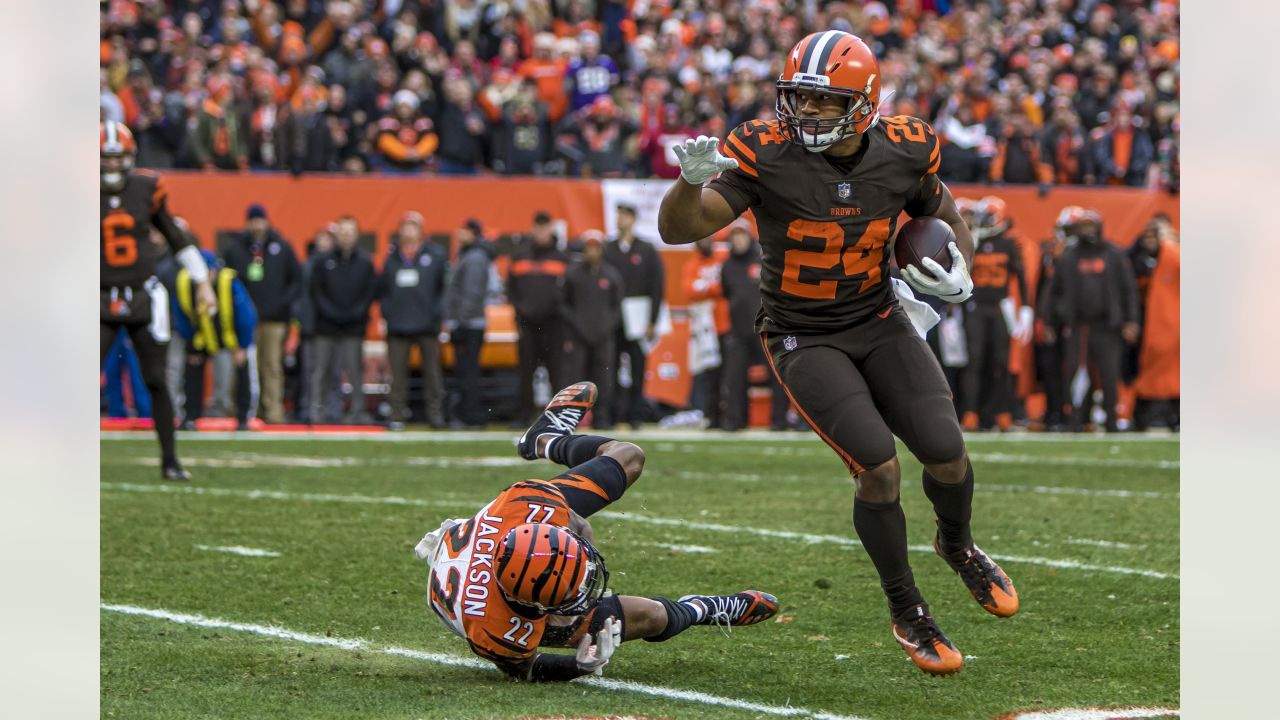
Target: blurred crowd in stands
1021,91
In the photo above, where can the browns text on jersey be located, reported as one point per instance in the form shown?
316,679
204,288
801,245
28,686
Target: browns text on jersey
825,222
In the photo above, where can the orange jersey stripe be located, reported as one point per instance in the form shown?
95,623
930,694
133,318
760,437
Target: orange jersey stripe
742,148
743,166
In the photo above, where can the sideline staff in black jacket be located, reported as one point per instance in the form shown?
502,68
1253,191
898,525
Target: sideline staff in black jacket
342,289
592,307
533,287
269,269
411,293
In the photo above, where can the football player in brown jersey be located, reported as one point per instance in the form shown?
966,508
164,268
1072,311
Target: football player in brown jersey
132,299
826,181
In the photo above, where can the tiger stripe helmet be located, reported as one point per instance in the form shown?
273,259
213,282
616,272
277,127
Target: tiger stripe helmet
551,569
115,141
834,62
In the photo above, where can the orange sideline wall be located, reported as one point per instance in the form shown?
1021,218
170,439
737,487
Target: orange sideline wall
299,207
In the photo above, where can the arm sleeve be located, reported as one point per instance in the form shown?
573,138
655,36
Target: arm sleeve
657,286
927,195
548,667
246,314
740,187
292,274
1128,290
163,220
1015,269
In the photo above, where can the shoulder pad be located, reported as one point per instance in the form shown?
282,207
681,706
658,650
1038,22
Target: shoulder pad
916,139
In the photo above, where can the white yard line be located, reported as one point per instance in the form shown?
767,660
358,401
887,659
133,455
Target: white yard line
850,542
1104,544
238,550
695,549
239,460
676,435
632,517
981,486
287,496
1009,459
468,662
1094,714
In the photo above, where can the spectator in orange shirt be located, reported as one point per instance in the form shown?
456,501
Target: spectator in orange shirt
406,140
548,73
1122,151
708,318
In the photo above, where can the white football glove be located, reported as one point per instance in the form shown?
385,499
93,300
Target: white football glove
954,287
1026,324
592,658
700,159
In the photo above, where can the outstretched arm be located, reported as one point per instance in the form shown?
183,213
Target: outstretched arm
689,211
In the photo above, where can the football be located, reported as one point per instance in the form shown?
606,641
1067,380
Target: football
920,238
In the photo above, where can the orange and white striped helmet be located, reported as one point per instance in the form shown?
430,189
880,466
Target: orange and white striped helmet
115,141
837,63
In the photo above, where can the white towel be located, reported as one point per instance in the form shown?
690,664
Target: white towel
427,546
921,315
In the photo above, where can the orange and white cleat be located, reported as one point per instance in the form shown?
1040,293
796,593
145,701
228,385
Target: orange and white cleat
924,642
987,583
563,415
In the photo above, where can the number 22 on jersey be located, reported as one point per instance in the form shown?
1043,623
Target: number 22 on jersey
860,260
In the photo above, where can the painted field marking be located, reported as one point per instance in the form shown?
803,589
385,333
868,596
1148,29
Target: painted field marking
286,496
239,550
994,487
249,461
696,549
691,436
1093,714
1104,544
456,661
632,517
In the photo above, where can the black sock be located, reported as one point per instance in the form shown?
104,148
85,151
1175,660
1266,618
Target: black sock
573,450
162,415
679,617
953,505
882,528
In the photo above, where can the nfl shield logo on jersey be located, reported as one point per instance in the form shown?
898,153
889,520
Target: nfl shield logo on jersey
844,190
789,343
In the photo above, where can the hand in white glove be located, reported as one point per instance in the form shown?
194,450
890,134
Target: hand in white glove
593,658
1026,324
954,287
700,160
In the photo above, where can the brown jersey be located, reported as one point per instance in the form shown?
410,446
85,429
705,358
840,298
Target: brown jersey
825,224
128,255
997,267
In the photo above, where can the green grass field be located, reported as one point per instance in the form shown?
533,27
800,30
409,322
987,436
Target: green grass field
332,623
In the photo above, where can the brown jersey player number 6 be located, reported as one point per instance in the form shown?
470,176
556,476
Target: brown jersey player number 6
826,182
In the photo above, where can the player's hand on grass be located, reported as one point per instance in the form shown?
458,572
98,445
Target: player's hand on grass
700,159
593,657
955,286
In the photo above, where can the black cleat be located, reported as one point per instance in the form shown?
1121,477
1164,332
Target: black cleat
923,641
987,583
562,416
745,608
176,473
